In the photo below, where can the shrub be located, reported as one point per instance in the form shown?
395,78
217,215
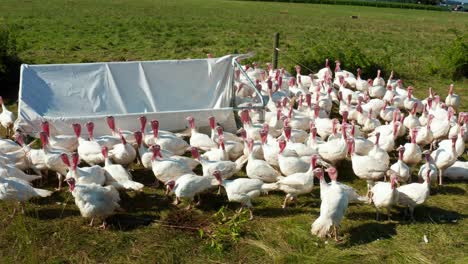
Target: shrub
224,231
455,58
452,62
9,62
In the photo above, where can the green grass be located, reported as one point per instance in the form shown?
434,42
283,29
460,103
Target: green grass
407,41
410,42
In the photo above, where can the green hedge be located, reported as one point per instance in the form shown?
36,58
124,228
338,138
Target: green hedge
363,3
9,63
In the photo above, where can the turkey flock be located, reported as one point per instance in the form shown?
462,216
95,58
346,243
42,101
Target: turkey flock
310,124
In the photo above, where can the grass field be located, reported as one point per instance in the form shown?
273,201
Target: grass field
151,230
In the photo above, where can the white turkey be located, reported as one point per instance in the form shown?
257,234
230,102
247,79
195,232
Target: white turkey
400,169
67,143
95,201
412,154
8,145
425,135
444,158
234,148
411,103
199,140
260,169
335,150
7,118
118,176
52,159
123,153
89,151
300,148
217,154
458,171
332,209
167,140
128,135
145,155
243,190
379,153
385,195
189,185
361,85
252,130
429,165
452,99
166,169
326,71
85,175
34,159
414,194
290,164
412,121
11,171
17,157
459,143
227,168
366,167
17,190
298,183
215,132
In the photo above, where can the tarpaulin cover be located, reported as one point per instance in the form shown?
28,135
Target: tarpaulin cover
167,90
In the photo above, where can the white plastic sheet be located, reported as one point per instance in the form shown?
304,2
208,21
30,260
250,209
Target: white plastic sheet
168,90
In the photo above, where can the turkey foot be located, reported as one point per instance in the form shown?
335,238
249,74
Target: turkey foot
285,203
335,231
14,212
176,201
104,225
155,184
60,180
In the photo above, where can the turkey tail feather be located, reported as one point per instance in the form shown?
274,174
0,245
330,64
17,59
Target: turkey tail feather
266,187
42,192
321,226
240,162
133,185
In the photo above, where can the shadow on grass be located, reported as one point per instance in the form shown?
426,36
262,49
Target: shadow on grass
446,189
280,212
436,215
53,213
212,201
54,198
369,232
143,176
127,222
365,215
143,201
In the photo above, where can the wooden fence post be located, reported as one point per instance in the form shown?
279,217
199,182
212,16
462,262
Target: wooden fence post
275,51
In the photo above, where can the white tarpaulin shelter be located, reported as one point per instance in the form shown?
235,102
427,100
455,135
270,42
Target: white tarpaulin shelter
167,90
